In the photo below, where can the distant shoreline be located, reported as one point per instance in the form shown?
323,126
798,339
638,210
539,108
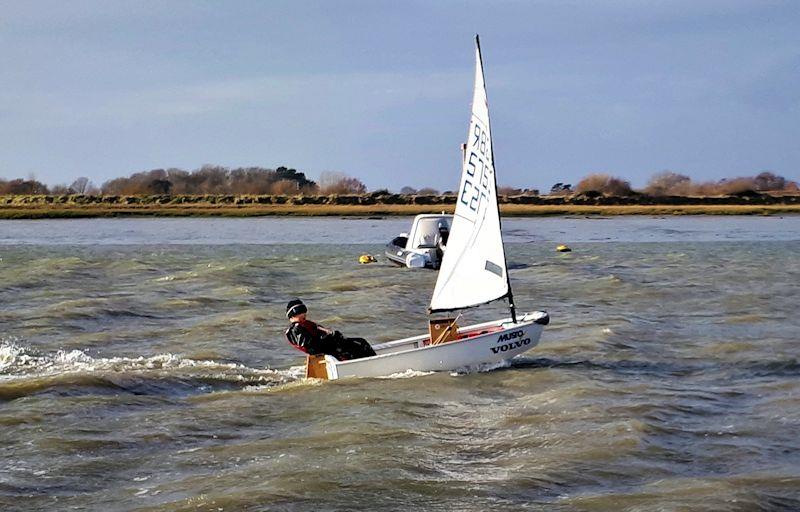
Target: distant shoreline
104,210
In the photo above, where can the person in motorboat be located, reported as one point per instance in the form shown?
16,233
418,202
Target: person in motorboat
444,233
441,241
315,339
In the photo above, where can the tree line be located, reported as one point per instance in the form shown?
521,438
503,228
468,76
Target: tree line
669,183
218,180
209,179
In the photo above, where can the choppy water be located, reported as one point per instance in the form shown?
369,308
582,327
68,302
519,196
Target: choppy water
142,367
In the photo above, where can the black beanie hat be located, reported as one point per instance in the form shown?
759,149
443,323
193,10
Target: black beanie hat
295,307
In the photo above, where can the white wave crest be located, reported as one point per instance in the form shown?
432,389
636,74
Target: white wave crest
10,353
17,361
405,375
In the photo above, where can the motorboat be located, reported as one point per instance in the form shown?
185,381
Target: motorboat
424,245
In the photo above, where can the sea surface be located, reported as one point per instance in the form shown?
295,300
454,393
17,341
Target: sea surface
143,367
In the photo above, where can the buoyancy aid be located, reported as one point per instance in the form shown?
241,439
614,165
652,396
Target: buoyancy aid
307,336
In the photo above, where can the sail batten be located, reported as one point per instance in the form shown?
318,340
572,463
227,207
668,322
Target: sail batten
473,269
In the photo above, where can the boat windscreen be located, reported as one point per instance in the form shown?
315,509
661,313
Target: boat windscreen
431,232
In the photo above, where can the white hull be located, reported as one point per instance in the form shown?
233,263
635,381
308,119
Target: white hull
412,258
489,342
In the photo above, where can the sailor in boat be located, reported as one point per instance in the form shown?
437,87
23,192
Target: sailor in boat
314,339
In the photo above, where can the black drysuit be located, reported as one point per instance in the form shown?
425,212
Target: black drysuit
308,337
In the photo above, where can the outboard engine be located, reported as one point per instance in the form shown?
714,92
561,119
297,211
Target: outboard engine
414,260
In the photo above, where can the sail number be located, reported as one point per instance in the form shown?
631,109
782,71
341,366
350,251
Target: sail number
479,170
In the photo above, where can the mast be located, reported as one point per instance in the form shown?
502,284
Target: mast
510,295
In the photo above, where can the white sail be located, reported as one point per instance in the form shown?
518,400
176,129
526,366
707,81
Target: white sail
473,270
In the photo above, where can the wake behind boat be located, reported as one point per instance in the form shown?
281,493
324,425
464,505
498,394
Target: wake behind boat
473,272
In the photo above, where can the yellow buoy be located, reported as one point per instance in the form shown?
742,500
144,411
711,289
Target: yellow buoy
563,248
366,258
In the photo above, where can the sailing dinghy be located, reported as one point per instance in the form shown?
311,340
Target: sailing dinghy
473,272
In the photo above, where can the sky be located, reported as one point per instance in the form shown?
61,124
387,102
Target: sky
381,90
